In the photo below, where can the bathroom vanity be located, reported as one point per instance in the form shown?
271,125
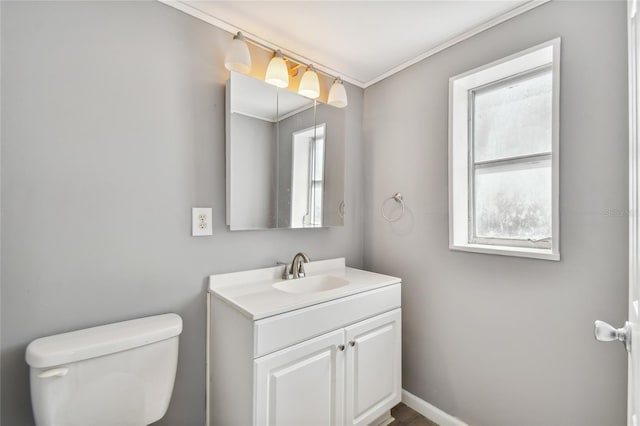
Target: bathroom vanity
320,350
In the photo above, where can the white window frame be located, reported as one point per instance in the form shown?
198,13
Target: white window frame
461,89
313,200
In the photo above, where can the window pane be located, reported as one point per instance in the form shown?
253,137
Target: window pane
316,203
318,170
513,201
513,119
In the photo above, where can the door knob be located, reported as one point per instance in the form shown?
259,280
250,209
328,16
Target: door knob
607,333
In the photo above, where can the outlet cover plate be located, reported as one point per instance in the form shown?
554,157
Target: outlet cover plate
201,221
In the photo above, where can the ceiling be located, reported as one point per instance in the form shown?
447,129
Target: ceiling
362,41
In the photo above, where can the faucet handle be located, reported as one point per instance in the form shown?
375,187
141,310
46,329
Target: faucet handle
285,272
301,272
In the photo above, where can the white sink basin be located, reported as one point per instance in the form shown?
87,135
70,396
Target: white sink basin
261,293
313,284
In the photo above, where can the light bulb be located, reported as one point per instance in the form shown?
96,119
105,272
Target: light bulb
238,57
309,85
337,94
277,71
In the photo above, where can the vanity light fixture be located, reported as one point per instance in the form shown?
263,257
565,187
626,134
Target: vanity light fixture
337,94
309,85
238,57
277,72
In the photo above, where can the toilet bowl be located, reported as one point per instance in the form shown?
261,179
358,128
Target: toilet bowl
119,374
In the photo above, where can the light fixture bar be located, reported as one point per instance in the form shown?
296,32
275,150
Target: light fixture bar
238,58
288,57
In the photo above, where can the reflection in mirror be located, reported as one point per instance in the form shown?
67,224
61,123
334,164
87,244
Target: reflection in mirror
307,177
251,122
334,166
285,158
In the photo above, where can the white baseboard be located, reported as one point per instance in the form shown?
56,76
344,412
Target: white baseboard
429,411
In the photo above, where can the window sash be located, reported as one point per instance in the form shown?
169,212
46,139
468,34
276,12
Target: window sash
521,163
507,81
515,161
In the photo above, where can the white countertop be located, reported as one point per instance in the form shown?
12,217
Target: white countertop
252,292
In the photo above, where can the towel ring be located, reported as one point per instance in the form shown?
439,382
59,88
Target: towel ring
341,209
397,197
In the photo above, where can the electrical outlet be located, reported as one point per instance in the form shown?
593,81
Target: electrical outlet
201,221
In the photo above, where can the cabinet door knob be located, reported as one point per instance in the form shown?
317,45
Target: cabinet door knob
352,343
341,348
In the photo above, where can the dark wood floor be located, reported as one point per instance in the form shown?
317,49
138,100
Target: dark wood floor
405,416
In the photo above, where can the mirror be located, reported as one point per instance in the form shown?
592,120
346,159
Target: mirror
284,157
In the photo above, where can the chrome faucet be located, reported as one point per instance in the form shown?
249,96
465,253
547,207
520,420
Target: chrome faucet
297,267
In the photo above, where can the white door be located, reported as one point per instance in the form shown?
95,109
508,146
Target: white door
303,384
373,378
629,334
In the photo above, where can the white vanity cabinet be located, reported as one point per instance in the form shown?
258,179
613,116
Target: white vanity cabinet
373,370
303,384
349,376
337,362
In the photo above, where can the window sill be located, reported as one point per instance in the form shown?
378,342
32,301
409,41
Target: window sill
534,253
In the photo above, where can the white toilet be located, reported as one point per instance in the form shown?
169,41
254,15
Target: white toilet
119,374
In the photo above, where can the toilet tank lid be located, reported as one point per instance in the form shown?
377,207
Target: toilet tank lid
103,340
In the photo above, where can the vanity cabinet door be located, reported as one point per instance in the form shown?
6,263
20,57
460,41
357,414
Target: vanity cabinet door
303,384
373,371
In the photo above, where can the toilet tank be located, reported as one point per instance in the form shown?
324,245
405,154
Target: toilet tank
119,374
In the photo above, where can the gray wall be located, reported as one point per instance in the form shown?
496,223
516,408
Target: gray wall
112,129
253,165
501,340
334,161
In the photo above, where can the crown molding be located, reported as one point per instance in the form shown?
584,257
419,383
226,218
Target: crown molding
457,39
226,26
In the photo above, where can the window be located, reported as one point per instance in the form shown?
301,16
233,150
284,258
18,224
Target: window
503,156
307,177
316,178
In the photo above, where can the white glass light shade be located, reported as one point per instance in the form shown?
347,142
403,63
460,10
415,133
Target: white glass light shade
277,72
338,94
238,57
309,85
